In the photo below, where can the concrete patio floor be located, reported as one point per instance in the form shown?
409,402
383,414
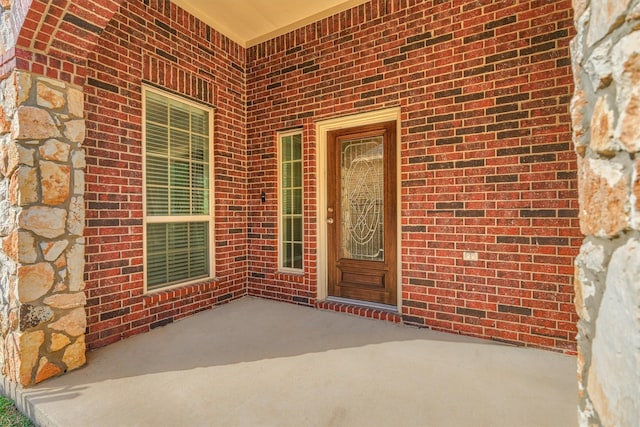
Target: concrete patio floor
255,362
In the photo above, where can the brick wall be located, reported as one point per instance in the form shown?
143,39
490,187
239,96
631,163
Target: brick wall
52,38
158,43
487,164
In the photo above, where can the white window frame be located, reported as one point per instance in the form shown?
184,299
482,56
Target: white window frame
177,219
281,267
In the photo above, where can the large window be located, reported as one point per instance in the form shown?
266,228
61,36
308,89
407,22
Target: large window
290,177
178,223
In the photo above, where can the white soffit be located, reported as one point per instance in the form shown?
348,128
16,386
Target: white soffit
249,22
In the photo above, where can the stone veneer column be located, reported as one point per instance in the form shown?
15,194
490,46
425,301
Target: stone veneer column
606,123
42,317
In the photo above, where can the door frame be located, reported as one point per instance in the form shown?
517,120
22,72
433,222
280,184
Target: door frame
322,128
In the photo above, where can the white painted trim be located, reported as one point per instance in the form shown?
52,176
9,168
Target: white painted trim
210,218
346,122
279,136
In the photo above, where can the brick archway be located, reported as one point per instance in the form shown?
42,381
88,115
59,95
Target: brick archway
54,38
44,46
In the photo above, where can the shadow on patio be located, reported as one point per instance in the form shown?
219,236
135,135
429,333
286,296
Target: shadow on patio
258,362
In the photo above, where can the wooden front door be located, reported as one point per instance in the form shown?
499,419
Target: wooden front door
361,213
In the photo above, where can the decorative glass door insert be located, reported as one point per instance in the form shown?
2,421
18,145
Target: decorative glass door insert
362,172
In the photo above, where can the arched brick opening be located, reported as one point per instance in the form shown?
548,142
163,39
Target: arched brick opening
44,46
54,38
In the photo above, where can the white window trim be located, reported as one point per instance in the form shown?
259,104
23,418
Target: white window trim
166,219
281,267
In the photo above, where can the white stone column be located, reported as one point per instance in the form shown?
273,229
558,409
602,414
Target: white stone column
606,122
42,317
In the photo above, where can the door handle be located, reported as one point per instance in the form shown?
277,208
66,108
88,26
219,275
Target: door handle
329,220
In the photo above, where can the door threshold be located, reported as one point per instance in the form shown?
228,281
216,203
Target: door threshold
365,304
364,309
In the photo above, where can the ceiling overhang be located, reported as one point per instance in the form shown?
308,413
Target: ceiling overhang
249,22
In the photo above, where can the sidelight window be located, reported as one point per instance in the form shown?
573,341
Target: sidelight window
290,206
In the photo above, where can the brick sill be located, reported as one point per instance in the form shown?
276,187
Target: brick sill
377,313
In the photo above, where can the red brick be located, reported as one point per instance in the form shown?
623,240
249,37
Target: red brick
484,91
540,86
